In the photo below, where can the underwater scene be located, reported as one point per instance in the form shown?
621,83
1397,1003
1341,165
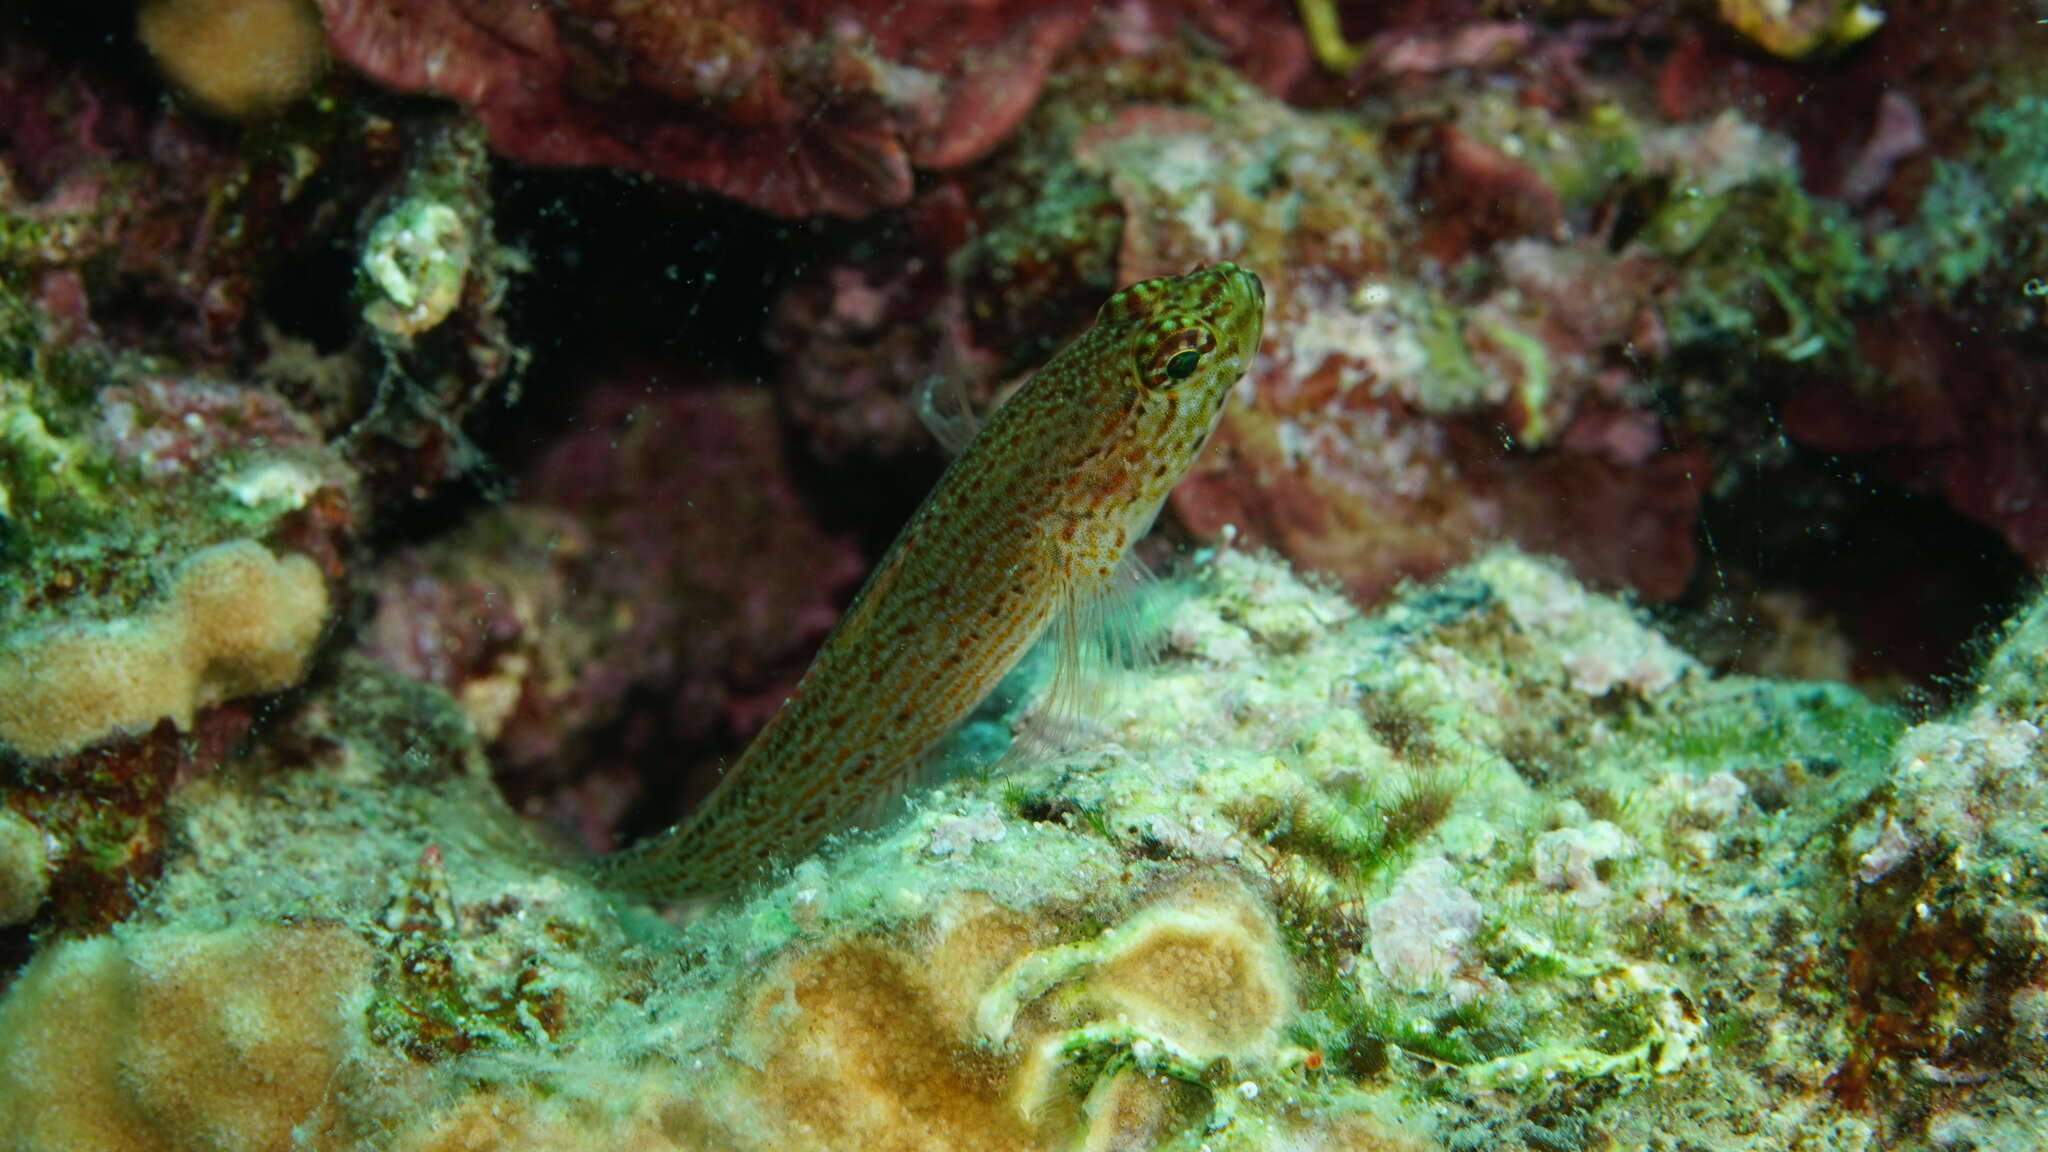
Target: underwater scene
1023,575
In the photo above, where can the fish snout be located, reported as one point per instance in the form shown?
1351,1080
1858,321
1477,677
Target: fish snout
1236,280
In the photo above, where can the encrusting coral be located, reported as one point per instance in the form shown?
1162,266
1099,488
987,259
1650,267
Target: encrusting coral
24,869
237,621
155,1039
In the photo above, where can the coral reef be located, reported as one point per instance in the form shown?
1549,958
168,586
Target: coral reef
556,622
1381,396
433,435
1972,436
1559,308
1467,339
127,218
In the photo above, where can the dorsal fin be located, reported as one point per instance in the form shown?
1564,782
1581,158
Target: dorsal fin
943,408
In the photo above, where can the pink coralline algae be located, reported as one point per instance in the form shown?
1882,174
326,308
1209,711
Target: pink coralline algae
95,175
856,339
1387,430
167,426
132,221
794,108
656,593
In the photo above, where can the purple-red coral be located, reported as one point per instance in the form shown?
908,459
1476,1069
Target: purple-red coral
98,175
792,107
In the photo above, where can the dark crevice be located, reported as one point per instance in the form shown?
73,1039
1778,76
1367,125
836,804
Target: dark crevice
1913,586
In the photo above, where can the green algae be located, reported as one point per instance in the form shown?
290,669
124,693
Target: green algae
1830,726
1984,214
47,483
1800,302
51,482
92,527
1580,158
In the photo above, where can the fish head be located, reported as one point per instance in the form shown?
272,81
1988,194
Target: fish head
1184,343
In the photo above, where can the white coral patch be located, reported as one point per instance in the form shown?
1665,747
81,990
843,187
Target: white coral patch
957,833
1570,858
273,484
1421,930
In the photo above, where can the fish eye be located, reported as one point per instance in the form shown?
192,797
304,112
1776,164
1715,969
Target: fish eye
1171,353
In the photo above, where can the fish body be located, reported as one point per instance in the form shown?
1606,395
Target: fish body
1030,522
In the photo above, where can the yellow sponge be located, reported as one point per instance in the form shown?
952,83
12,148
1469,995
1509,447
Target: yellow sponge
237,622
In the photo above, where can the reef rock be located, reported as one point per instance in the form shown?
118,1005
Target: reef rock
1319,880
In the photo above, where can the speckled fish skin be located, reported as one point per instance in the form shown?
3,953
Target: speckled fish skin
1040,508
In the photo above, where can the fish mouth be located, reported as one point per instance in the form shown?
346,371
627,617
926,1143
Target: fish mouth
1238,280
1245,287
1250,282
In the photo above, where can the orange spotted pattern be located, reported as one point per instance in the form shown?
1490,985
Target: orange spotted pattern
1041,507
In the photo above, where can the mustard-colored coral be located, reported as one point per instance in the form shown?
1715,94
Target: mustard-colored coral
871,1041
148,1041
1207,974
1196,977
237,622
236,57
24,869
